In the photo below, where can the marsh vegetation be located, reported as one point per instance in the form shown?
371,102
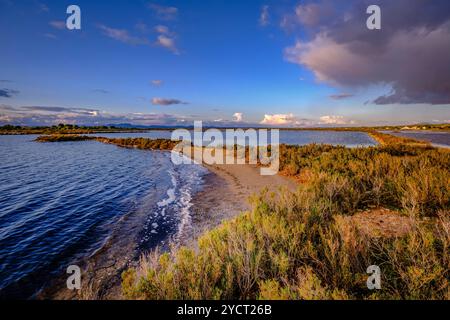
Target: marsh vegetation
299,245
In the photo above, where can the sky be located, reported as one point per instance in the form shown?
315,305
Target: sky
225,62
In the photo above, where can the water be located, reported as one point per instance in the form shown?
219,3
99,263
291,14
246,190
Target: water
439,139
60,201
297,137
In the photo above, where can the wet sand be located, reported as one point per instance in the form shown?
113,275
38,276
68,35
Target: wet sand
225,194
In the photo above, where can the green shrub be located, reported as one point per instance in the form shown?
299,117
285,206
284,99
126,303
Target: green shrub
285,248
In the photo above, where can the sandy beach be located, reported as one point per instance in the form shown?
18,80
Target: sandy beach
226,191
226,194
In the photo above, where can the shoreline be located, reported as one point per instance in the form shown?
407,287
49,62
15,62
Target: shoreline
224,195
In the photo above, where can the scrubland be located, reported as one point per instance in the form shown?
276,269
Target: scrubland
299,245
304,244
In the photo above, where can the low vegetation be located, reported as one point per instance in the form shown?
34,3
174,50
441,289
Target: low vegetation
388,139
63,138
394,176
288,249
64,129
139,143
300,246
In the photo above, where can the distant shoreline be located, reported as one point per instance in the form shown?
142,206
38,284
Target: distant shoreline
73,129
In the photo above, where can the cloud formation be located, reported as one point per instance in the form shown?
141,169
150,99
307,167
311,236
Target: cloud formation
335,120
162,29
410,54
122,35
279,119
52,115
58,24
164,12
167,43
103,91
42,7
8,93
264,16
166,102
238,117
166,39
157,82
341,96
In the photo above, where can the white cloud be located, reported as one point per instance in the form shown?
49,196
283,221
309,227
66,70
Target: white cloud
164,12
167,42
335,120
122,35
162,29
279,119
157,82
238,116
58,24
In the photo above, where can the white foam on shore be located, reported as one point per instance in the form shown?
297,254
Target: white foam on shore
192,178
176,206
170,193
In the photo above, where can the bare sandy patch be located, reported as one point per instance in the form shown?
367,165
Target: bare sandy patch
381,222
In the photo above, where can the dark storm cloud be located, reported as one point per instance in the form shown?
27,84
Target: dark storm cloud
341,96
166,102
411,52
8,93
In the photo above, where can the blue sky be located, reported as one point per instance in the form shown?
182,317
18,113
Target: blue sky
172,62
